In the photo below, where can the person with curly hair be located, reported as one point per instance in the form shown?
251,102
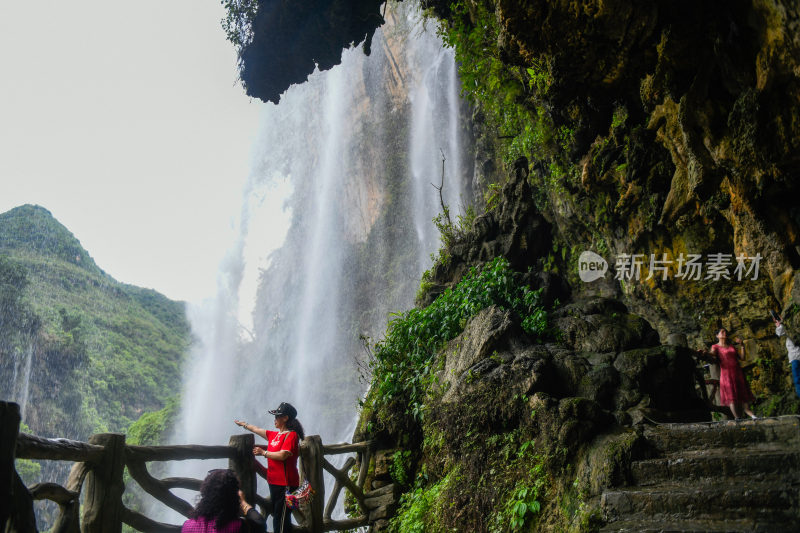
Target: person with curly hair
222,507
281,453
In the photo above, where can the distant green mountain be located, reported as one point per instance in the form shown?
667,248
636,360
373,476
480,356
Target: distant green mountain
83,352
32,229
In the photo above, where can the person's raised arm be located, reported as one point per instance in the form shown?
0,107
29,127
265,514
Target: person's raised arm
705,355
253,518
740,351
712,352
250,427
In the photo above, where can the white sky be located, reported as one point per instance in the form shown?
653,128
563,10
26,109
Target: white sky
125,120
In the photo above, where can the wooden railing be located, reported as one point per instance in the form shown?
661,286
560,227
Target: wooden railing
100,464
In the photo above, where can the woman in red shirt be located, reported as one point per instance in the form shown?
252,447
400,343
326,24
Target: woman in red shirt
733,389
281,452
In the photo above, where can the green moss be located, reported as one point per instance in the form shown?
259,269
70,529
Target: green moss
523,502
619,117
786,403
401,468
506,95
421,509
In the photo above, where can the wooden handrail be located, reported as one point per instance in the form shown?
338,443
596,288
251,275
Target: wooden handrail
347,482
182,483
179,452
337,488
346,447
157,489
343,525
33,447
53,492
97,474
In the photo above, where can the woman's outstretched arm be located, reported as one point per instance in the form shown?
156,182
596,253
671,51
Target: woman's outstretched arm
250,427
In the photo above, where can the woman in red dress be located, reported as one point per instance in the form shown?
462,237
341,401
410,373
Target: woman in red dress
733,389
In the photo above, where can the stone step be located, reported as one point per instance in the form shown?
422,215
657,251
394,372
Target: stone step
738,498
754,463
666,438
669,524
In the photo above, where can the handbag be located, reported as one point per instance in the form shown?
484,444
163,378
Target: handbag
302,496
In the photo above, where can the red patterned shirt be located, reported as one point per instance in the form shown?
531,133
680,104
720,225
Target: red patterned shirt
276,471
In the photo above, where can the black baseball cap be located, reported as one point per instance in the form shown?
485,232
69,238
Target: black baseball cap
285,409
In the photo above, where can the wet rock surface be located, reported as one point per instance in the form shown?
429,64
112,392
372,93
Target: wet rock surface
719,476
597,363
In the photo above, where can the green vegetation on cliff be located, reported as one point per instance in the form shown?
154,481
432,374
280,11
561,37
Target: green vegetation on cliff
499,90
402,367
92,354
645,129
652,130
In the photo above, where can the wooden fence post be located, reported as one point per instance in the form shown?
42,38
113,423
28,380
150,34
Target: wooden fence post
17,504
102,506
242,464
9,428
312,456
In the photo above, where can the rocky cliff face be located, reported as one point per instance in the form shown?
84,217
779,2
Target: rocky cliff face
666,132
663,137
673,130
507,418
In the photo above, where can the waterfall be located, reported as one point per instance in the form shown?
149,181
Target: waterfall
335,232
20,364
26,380
435,136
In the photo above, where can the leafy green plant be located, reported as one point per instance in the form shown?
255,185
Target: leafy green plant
492,196
401,467
524,500
417,509
449,231
151,428
539,78
238,21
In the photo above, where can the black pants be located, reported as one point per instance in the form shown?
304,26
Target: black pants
277,494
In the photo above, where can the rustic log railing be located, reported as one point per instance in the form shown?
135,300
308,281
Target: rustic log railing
100,465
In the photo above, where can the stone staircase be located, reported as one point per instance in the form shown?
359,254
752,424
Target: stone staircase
735,476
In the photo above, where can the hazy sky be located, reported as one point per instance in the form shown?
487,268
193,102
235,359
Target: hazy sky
125,120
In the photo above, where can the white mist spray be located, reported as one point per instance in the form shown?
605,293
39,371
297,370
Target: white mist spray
359,147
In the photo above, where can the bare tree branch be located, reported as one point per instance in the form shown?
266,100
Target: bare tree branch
445,210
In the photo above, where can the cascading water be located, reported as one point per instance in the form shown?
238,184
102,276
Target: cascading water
20,363
435,135
338,211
